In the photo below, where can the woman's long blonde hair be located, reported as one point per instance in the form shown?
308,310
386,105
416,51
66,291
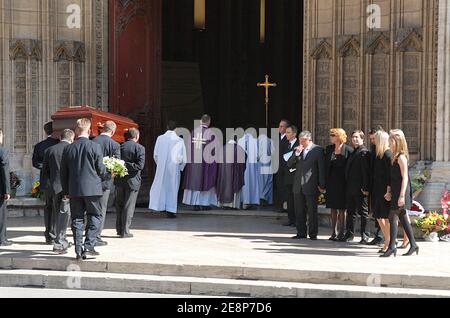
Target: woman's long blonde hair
399,144
381,143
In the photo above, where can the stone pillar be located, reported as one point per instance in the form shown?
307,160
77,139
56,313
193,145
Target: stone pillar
440,171
443,85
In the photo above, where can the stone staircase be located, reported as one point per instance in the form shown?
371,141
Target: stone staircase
215,280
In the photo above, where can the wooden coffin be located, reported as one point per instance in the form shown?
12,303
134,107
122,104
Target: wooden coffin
66,118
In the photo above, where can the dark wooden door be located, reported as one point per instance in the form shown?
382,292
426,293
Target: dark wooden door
135,67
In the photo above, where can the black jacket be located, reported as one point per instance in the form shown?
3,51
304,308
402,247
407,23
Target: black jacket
110,148
5,186
288,175
51,169
357,171
134,156
346,152
82,169
38,157
310,174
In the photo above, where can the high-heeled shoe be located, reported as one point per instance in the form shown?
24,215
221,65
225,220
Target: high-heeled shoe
382,251
403,246
333,237
412,250
389,252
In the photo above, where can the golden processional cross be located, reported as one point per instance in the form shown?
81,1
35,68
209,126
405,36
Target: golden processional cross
267,85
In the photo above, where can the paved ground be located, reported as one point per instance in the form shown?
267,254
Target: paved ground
231,241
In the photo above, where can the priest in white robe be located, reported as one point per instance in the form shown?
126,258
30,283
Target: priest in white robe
265,150
170,158
250,192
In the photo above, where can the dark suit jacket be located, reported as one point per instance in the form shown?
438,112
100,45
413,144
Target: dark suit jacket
5,186
310,172
357,171
289,176
51,169
82,169
110,148
284,143
134,156
38,157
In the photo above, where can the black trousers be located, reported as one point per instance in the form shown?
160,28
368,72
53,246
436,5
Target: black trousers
125,207
104,207
49,215
62,208
357,205
290,203
91,207
3,220
306,214
280,195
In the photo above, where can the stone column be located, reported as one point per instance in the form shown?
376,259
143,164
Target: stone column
440,173
443,84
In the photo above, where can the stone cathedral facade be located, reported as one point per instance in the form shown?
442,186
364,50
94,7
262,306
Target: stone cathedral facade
45,64
396,74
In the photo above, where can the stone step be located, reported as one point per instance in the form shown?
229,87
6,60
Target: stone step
360,278
183,285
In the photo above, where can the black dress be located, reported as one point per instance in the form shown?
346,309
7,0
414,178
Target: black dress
380,182
335,179
396,186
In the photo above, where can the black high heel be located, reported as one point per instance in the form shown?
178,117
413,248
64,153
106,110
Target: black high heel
402,247
412,250
389,252
333,237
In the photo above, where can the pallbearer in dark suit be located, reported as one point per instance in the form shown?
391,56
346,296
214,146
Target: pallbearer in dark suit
51,170
280,188
289,174
309,181
110,148
357,177
5,191
82,174
336,156
127,188
38,159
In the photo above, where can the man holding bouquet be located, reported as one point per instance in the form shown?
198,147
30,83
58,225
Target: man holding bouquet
129,183
82,174
110,149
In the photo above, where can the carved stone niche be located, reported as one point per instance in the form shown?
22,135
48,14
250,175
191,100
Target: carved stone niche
409,40
69,51
378,43
25,49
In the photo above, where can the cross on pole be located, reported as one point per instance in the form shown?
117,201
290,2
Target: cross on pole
267,85
199,141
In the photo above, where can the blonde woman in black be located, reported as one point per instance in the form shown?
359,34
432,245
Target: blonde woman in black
401,195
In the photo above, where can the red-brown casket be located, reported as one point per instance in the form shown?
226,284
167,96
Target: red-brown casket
66,118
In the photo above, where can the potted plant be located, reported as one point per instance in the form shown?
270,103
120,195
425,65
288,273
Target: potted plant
15,183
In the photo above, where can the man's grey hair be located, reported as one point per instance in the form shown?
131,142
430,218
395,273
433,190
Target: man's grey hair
67,134
109,126
306,135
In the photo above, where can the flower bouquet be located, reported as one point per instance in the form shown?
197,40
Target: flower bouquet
321,199
431,224
115,166
14,182
445,203
36,191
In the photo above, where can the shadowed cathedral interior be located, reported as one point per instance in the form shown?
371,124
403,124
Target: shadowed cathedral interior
216,69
